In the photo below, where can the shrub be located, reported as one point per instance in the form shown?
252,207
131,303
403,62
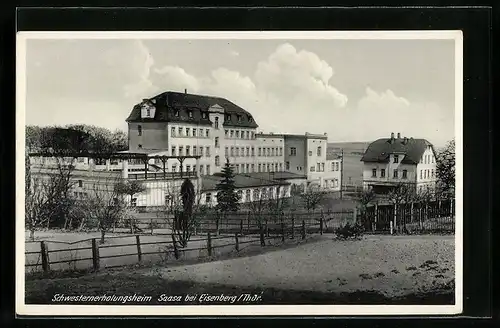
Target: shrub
349,231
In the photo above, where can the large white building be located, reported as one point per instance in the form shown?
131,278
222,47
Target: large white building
389,162
182,124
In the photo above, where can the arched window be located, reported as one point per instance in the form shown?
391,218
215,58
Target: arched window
216,122
217,160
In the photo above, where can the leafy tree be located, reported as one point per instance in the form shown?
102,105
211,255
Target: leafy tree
312,197
365,198
445,168
227,198
130,188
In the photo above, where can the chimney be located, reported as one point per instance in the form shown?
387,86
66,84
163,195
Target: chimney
185,91
399,135
405,140
392,135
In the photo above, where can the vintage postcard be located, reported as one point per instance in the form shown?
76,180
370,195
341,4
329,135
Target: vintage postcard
239,173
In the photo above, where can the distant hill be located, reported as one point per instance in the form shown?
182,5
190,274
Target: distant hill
357,148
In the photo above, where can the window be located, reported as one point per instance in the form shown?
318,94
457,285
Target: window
259,151
207,153
374,173
216,142
237,168
194,151
432,158
232,151
139,130
248,134
253,167
148,112
396,158
287,165
226,151
318,167
226,133
232,133
194,132
180,132
253,151
336,166
250,119
140,146
247,195
260,167
190,114
216,125
310,153
237,133
207,133
248,168
208,169
188,152
421,160
322,167
228,117
201,151
172,132
253,135
312,169
293,151
187,132
180,151
217,160
268,167
237,151
188,168
425,174
421,174
268,152
281,151
204,114
239,118
382,173
208,198
248,151
395,174
256,194
319,151
201,169
405,174
80,183
281,166
432,173
177,113
133,202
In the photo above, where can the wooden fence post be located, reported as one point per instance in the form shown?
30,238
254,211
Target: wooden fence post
395,216
237,243
391,227
267,228
303,229
151,224
282,231
174,243
241,226
95,254
321,224
45,256
376,217
216,226
451,208
293,228
209,244
262,241
138,242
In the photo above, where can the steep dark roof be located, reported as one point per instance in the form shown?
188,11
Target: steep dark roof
209,182
380,150
168,103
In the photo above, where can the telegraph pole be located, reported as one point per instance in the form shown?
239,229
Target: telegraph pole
341,172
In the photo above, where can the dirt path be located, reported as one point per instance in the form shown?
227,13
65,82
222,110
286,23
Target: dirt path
393,266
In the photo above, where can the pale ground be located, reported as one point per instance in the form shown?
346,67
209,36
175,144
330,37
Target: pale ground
392,265
59,241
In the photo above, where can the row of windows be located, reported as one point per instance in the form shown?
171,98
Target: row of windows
189,132
335,166
204,169
427,159
196,151
426,174
250,151
237,134
253,194
249,168
320,167
293,151
395,173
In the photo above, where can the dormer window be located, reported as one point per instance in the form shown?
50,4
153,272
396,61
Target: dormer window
204,114
148,112
228,117
396,158
190,113
250,119
177,113
239,118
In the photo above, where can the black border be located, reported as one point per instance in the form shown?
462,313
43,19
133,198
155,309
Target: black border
474,22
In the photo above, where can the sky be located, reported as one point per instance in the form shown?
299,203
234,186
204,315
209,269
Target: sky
354,90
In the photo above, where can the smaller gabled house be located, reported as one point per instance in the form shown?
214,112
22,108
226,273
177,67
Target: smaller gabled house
390,162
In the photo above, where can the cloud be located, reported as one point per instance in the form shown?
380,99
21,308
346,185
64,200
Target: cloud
175,78
234,53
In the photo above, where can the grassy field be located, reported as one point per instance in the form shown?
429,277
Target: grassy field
374,270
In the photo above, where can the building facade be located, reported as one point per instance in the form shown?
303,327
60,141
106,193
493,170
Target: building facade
393,161
182,124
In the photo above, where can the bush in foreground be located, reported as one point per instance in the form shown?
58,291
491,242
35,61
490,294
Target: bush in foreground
350,231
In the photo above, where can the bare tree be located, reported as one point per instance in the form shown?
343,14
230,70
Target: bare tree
402,193
130,188
365,198
312,197
104,205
